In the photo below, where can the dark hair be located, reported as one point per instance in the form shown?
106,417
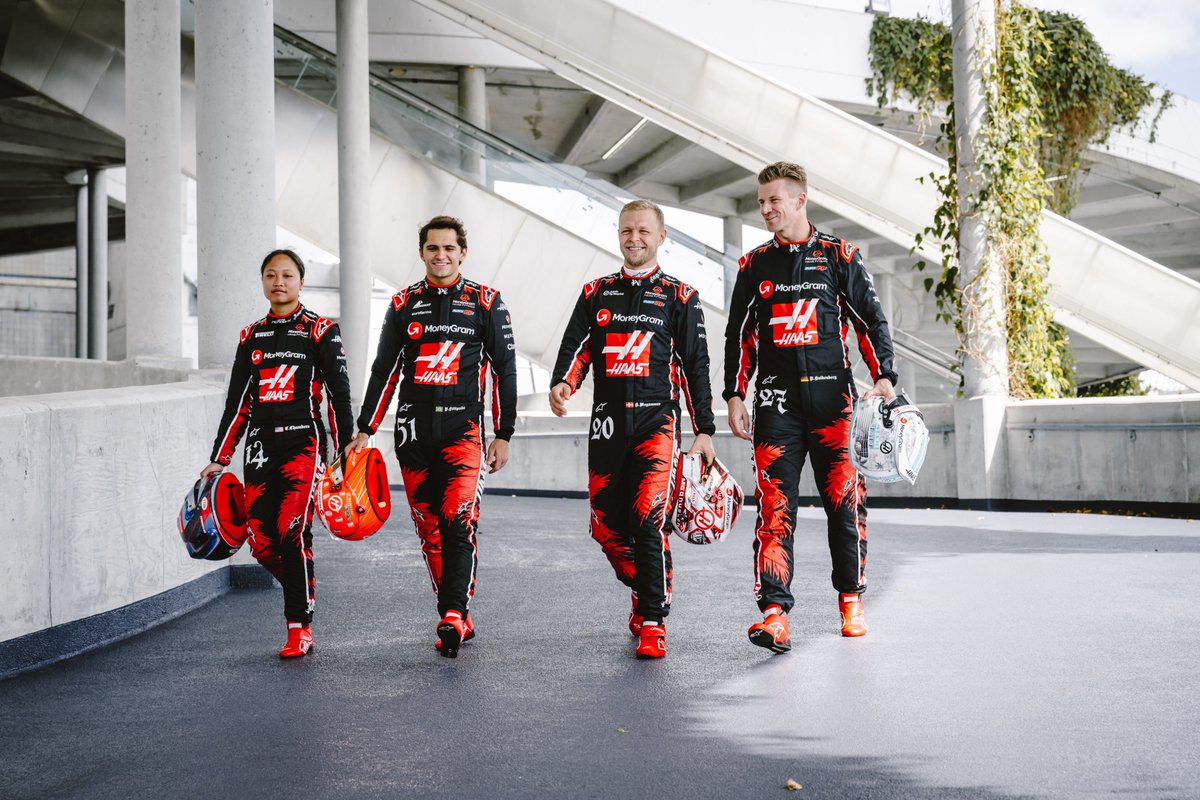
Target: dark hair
447,224
283,251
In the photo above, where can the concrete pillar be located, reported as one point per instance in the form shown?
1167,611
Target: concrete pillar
154,322
733,249
985,357
980,451
97,190
81,268
354,189
472,99
979,420
235,168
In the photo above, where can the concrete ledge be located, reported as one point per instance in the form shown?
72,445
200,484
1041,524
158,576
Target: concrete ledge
70,639
251,576
28,375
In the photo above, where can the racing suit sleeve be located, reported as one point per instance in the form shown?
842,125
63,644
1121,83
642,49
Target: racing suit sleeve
741,335
385,373
331,361
866,313
501,350
238,403
691,345
574,354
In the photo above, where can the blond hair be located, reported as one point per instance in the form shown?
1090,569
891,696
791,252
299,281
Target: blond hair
644,205
784,169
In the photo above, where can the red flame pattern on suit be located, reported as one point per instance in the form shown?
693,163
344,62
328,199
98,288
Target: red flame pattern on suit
441,462
281,471
616,548
772,557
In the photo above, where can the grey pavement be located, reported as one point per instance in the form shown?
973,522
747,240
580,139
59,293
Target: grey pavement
1010,655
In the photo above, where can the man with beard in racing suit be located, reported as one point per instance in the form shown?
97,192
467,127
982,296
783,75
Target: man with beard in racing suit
441,338
793,302
644,331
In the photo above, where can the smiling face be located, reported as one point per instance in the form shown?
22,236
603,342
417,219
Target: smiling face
281,283
442,255
640,235
781,203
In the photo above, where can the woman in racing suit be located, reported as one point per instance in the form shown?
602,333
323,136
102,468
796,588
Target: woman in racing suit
285,364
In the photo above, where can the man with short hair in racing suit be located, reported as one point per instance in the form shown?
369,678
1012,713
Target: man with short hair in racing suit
794,300
644,331
441,338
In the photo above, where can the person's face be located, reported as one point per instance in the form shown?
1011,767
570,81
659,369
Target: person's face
442,256
640,235
281,282
781,204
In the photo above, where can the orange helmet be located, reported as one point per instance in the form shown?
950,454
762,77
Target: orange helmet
355,501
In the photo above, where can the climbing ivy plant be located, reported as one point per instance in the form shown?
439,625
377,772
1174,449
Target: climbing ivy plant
1012,194
1051,92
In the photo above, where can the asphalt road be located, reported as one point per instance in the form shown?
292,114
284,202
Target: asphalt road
1010,655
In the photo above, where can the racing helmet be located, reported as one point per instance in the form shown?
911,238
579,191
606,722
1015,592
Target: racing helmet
212,521
705,502
353,500
888,440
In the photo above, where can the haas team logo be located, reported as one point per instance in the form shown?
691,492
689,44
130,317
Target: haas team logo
794,324
437,365
627,355
277,384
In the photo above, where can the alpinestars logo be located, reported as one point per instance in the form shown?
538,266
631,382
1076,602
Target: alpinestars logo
437,365
627,355
794,324
277,384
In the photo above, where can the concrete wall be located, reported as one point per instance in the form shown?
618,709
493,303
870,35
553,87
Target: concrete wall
26,375
93,479
92,486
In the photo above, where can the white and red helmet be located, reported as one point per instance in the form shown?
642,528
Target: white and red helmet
705,503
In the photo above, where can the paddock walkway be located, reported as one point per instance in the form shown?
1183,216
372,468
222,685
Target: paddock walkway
1010,655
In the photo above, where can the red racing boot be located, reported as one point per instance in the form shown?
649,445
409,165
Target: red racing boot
451,631
299,642
772,632
635,619
470,634
652,641
853,621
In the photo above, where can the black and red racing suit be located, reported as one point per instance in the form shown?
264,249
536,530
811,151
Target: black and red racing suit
281,372
792,306
647,341
438,346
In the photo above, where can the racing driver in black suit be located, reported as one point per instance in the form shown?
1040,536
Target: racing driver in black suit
795,299
442,337
643,331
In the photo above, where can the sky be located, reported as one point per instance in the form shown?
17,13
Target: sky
1152,38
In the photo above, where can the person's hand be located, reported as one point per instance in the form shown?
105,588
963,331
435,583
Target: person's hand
739,418
211,469
882,388
359,442
497,455
704,446
559,395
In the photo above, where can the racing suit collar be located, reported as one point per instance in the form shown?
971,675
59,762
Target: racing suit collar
287,317
454,287
651,275
812,237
